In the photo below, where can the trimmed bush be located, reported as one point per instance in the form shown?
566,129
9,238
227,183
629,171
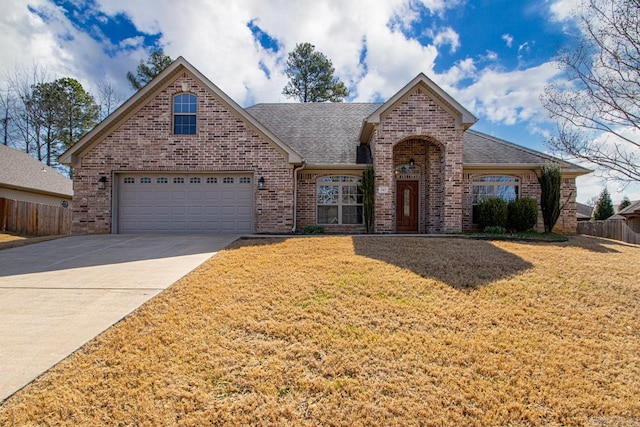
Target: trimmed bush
522,214
494,229
313,229
492,213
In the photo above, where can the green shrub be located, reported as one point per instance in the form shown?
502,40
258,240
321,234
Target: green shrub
492,212
495,229
313,229
522,214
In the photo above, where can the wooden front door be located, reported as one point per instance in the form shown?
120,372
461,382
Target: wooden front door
407,206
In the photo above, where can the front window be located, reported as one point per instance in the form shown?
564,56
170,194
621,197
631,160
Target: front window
339,200
184,114
485,187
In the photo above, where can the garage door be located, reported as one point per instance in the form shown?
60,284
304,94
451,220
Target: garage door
185,203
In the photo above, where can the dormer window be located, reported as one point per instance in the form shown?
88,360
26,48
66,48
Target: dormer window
184,114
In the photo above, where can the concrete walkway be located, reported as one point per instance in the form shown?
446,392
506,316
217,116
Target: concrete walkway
57,295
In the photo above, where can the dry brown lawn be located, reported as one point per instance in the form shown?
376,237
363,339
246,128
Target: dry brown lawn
367,331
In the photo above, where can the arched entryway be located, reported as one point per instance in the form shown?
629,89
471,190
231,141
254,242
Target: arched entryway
419,186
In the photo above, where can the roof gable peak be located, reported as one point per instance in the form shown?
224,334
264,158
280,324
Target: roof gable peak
139,99
463,117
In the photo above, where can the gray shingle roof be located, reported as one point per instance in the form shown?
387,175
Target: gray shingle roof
631,210
483,149
327,133
323,133
18,170
583,211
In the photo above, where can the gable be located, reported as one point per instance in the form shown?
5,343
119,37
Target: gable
179,69
461,116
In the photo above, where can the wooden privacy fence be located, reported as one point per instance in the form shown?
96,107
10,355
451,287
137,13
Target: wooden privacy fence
616,229
34,219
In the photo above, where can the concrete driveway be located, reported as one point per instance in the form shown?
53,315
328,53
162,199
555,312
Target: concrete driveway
57,295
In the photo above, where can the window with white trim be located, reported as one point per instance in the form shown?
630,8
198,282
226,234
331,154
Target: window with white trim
184,114
339,200
503,186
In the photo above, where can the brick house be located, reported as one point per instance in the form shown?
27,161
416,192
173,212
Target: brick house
182,156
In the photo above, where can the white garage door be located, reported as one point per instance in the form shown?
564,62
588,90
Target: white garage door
185,203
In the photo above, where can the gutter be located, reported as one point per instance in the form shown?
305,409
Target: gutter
295,192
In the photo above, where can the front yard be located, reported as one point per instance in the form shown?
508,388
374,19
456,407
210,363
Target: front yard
367,331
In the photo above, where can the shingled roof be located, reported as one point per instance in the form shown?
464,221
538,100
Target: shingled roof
323,133
20,171
327,134
484,150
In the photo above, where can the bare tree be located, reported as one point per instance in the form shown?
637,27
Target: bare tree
598,111
24,119
8,105
108,98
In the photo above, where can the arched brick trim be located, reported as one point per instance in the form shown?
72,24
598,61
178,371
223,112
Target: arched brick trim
427,153
418,117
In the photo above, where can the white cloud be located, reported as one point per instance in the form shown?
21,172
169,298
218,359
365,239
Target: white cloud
562,10
508,38
491,56
509,97
446,36
524,48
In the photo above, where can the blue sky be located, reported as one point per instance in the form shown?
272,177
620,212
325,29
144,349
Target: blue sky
494,56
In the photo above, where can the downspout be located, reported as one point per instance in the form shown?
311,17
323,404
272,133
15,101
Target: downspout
295,192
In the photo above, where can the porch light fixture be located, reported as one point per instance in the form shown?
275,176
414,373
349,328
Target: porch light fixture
412,162
102,183
261,183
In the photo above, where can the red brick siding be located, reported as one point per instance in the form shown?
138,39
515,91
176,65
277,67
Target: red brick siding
529,187
306,207
419,118
145,142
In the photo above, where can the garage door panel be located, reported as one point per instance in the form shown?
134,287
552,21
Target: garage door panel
178,210
185,203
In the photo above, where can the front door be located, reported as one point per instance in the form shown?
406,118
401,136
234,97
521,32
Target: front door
407,206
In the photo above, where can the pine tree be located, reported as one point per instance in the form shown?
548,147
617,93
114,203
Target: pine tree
146,71
625,202
311,77
604,207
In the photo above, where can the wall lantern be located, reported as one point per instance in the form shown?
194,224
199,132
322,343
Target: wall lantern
261,183
102,183
412,162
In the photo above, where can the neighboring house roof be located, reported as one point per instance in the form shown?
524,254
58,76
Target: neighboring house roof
323,133
481,150
20,171
583,212
632,210
73,155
